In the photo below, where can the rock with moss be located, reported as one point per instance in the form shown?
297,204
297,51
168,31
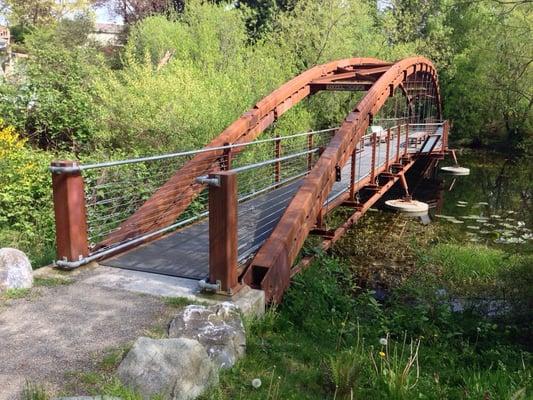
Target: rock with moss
177,369
15,270
218,328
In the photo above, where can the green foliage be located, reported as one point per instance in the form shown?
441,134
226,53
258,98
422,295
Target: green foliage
25,205
467,263
11,294
50,99
330,339
483,53
34,391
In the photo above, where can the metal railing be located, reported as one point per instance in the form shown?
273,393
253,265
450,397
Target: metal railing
244,188
110,193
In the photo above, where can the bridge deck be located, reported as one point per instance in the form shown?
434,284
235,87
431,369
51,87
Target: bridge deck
185,253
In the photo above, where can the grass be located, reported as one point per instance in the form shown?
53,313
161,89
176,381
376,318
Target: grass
51,281
326,340
12,294
369,321
469,263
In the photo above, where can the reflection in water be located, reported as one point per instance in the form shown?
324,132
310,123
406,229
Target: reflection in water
491,205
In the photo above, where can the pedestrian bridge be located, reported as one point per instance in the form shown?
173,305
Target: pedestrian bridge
238,211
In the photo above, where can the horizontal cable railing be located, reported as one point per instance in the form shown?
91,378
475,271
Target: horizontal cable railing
116,190
268,172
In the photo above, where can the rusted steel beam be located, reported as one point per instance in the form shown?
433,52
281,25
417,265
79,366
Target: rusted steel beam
161,209
360,210
70,213
282,247
223,242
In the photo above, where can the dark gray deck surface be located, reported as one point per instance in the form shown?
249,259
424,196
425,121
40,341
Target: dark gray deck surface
185,253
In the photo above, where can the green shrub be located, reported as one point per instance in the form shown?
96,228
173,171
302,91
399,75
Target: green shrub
26,216
50,97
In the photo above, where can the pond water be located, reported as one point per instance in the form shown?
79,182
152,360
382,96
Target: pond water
493,205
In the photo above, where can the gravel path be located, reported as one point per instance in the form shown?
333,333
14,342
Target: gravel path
61,329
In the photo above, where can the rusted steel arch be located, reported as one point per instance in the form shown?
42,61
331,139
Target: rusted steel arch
162,209
271,267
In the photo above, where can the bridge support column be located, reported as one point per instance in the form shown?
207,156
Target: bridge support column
223,232
70,213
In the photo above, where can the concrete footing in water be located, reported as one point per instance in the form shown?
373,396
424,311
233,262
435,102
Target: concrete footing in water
409,207
456,170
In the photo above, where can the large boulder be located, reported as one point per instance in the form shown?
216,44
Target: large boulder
177,369
218,328
15,270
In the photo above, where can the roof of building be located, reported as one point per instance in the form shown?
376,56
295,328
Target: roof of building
108,28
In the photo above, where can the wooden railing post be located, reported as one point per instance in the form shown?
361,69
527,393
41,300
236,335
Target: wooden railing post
373,160
223,231
70,213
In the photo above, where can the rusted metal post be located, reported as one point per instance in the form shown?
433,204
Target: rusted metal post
387,151
227,158
405,187
398,140
310,155
406,139
223,231
70,213
352,173
445,130
277,154
373,160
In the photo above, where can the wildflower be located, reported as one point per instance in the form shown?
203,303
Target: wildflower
382,354
383,341
256,383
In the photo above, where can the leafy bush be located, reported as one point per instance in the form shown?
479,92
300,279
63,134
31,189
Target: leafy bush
26,218
50,98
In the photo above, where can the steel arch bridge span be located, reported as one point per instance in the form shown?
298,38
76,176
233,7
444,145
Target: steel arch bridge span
162,209
253,236
270,269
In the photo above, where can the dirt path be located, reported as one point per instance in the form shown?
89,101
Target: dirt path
63,328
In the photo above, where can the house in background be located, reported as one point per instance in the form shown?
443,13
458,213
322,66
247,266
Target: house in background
107,34
6,59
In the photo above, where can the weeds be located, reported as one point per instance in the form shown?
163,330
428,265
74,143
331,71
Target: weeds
33,391
12,294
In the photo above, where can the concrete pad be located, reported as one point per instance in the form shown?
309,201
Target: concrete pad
251,302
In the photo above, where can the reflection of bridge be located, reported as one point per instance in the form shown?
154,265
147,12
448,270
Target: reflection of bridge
239,210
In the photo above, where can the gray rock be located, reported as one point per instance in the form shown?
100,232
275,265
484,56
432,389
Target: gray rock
177,369
218,328
15,270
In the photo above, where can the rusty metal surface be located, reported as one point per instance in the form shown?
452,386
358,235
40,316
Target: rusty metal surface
273,261
162,208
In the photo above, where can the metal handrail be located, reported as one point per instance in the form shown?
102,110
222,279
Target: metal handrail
77,168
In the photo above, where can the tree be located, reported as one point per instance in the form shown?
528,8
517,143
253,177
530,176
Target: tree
132,11
35,13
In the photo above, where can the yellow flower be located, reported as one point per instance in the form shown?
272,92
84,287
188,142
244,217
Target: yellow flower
381,354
